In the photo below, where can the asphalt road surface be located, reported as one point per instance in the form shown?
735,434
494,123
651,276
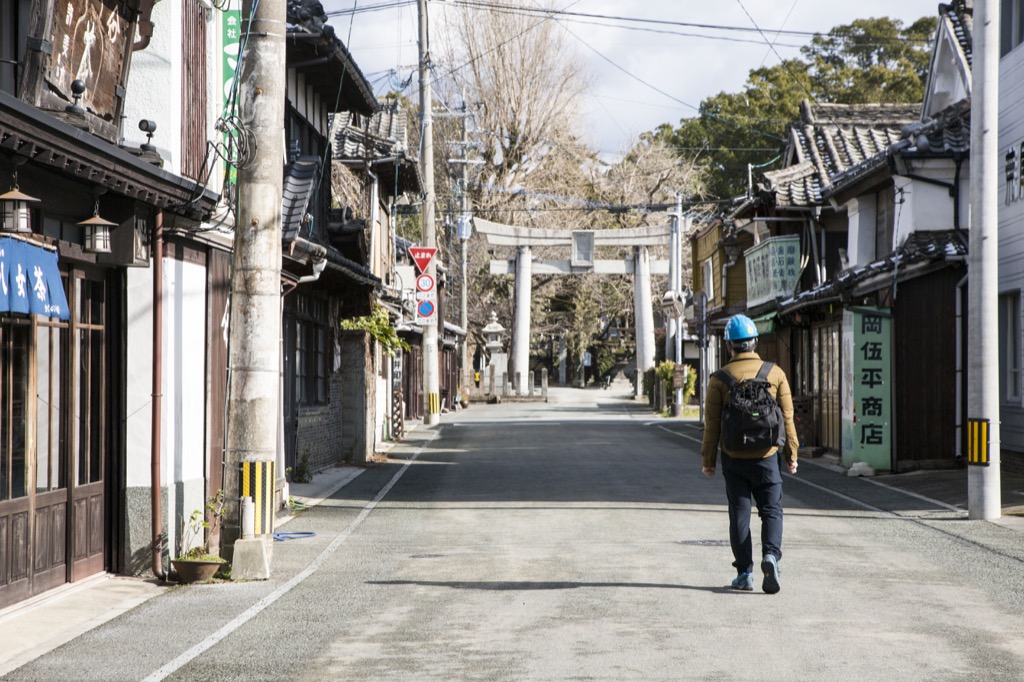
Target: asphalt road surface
578,540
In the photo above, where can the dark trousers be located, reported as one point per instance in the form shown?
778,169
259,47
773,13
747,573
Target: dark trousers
762,480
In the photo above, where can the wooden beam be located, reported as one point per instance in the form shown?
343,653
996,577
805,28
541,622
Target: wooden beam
563,267
511,235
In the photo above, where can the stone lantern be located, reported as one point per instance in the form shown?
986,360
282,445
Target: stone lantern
493,332
495,374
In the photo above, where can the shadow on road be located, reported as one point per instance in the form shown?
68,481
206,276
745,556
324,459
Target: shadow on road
531,585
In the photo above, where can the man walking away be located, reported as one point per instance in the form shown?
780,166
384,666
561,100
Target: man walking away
750,463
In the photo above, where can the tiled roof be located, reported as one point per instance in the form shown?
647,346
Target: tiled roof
381,142
921,246
948,132
830,139
316,51
383,134
299,181
960,15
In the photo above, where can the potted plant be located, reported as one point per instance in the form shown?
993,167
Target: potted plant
197,563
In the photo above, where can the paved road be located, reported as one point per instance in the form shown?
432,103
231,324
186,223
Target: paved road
577,540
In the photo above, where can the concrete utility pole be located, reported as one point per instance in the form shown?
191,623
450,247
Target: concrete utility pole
464,231
431,371
643,313
983,489
677,286
521,323
253,403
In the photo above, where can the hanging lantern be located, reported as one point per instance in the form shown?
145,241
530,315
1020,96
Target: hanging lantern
97,232
14,211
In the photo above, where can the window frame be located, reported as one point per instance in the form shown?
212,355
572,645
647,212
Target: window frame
313,347
1010,355
1011,26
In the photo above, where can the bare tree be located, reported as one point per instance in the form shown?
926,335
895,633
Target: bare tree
517,87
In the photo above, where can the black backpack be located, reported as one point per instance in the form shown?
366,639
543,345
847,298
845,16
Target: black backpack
752,419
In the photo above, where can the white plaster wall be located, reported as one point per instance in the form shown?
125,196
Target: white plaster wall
183,432
184,369
947,82
927,206
154,87
139,337
860,247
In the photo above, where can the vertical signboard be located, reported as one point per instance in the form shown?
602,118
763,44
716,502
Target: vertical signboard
426,300
773,268
89,40
231,27
867,387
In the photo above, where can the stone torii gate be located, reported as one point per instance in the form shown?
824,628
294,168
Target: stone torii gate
582,261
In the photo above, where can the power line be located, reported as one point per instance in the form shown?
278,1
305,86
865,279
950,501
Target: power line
660,22
579,17
785,65
662,92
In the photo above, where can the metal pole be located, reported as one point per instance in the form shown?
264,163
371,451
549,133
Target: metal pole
700,301
431,371
677,286
255,318
463,267
521,325
983,489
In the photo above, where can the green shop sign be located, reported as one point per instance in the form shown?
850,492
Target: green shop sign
867,387
773,268
231,26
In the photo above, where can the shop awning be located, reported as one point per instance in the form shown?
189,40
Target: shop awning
30,280
765,323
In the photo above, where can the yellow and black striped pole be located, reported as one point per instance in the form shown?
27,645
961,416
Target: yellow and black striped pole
258,482
435,403
978,442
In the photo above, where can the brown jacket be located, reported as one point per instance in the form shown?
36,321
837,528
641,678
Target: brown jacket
746,366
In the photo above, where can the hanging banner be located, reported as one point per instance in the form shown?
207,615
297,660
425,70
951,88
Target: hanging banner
231,25
30,280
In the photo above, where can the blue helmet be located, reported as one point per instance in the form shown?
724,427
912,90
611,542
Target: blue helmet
740,328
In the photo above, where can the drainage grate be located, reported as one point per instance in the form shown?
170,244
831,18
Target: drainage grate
705,543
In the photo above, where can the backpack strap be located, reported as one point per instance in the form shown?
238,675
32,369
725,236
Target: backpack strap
766,367
725,378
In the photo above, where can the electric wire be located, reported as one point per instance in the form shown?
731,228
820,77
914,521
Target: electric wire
625,21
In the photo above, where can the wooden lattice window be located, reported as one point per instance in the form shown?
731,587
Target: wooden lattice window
193,95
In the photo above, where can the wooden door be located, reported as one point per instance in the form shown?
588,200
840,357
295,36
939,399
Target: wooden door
827,351
289,406
33,488
218,286
88,426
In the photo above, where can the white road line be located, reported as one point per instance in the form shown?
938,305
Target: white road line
534,422
950,507
923,498
284,589
681,435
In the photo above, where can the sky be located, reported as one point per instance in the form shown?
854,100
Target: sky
642,78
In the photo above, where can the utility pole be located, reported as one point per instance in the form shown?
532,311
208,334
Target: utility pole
677,286
464,232
431,383
983,487
255,318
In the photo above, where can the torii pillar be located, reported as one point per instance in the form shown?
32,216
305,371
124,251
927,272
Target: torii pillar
521,321
644,312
